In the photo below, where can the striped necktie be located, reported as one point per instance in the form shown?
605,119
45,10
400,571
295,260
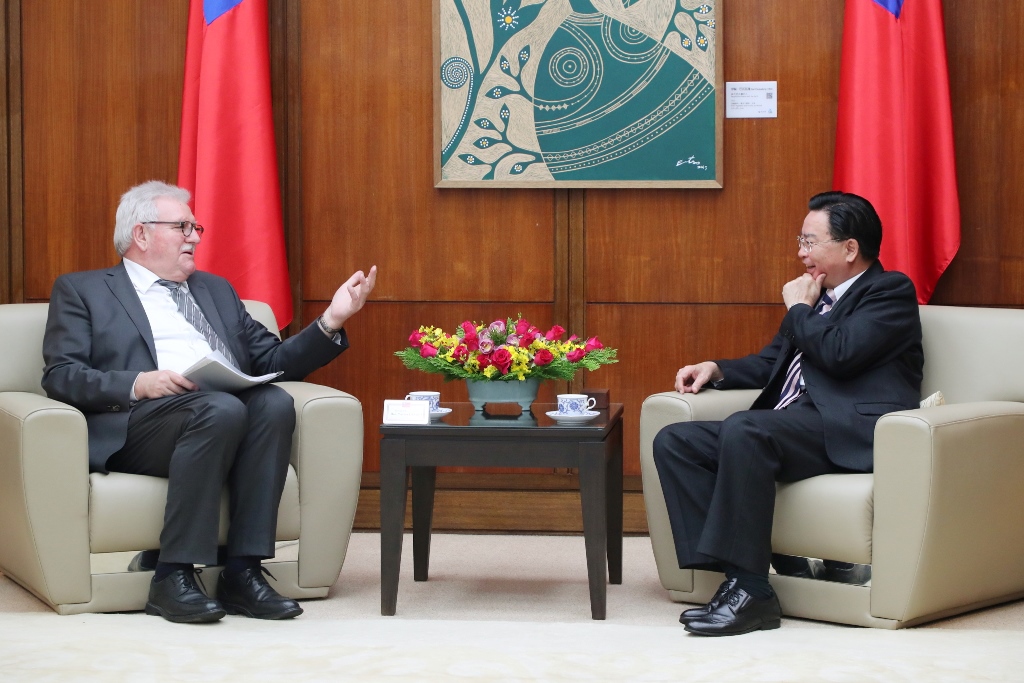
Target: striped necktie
192,313
792,388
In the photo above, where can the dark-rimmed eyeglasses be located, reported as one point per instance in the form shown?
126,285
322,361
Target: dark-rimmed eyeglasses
186,227
804,243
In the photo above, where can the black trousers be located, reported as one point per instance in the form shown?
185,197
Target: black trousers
201,441
719,480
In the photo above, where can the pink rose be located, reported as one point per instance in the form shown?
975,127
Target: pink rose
593,343
470,339
502,359
522,326
428,351
484,361
542,357
415,337
554,333
575,356
460,353
573,338
526,340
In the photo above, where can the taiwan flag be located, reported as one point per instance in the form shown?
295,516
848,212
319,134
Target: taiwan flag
228,158
894,139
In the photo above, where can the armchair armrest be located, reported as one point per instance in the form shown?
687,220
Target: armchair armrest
44,497
659,411
327,453
947,506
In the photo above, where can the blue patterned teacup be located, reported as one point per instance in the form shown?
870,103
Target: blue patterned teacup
575,404
433,396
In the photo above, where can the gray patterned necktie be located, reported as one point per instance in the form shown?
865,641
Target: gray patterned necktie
190,309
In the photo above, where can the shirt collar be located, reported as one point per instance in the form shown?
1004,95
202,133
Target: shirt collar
142,278
841,289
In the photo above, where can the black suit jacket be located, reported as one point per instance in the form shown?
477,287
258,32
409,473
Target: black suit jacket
98,339
862,360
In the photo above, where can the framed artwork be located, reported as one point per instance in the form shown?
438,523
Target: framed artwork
578,93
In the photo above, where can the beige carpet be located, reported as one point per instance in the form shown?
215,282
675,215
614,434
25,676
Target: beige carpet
496,608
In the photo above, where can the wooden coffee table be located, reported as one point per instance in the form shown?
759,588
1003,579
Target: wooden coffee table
466,438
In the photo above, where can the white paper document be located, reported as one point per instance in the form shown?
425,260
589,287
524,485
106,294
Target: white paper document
751,100
216,373
406,412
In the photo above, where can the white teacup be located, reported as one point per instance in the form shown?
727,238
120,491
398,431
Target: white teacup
434,397
575,404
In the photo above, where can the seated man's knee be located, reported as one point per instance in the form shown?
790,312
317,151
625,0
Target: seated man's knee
224,411
270,402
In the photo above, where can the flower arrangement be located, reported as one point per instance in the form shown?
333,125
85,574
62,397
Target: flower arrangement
504,350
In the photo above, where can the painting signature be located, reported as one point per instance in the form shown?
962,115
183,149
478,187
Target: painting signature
693,162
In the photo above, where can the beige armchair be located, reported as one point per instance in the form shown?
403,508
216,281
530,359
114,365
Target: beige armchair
939,521
57,520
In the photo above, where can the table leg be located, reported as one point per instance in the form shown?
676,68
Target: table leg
392,520
423,480
593,490
614,500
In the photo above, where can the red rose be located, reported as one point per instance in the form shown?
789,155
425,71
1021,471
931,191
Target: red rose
522,326
428,351
542,357
415,337
554,333
575,355
484,360
471,340
502,359
593,343
460,353
525,341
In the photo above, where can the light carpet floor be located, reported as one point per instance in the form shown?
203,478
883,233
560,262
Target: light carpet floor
496,608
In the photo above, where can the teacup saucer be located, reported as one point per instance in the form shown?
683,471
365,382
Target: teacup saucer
436,415
567,419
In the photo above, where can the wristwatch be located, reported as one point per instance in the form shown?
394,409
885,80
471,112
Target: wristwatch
325,327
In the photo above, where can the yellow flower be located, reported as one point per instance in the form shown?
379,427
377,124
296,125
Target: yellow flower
490,371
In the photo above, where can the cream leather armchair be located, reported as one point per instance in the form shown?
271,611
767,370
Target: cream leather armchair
939,521
56,519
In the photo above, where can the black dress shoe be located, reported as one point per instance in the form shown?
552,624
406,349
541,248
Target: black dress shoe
249,594
145,561
704,610
847,572
801,567
177,598
740,612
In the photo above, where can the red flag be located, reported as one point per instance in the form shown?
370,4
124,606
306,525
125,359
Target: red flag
227,158
894,138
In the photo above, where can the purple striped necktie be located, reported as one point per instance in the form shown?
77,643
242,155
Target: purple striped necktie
792,387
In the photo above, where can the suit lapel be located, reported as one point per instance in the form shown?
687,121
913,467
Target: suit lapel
841,310
122,288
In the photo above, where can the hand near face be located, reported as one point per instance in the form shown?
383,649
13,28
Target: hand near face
160,383
350,297
803,290
691,378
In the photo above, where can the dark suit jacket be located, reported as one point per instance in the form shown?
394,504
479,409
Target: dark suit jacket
862,360
98,340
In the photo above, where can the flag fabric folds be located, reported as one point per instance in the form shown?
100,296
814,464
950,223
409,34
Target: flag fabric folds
894,138
228,157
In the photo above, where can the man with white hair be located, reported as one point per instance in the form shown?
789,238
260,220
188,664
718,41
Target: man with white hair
116,343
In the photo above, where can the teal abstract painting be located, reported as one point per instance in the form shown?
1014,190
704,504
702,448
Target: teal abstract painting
578,93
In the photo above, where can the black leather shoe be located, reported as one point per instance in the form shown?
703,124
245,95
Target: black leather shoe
249,594
847,572
801,567
145,561
740,612
704,610
177,598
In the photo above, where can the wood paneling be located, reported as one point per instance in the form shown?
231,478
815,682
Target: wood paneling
986,73
367,185
654,341
102,88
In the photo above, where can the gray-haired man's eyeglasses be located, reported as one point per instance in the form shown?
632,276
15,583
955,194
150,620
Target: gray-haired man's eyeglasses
186,227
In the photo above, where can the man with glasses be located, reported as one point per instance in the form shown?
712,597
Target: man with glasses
848,351
116,343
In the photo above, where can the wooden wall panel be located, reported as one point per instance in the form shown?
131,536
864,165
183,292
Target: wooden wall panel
102,108
367,155
370,371
737,244
654,341
986,73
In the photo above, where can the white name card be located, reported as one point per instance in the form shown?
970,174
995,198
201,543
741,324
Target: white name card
752,100
406,412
